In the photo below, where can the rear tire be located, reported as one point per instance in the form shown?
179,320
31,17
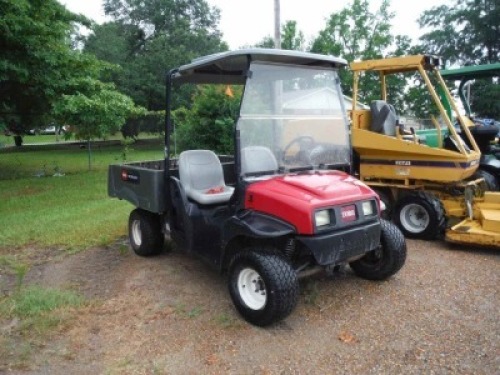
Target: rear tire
387,260
489,179
263,285
420,215
144,231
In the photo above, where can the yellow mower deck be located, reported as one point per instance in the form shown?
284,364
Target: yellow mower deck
485,230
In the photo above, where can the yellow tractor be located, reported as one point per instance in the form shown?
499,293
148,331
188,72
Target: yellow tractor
424,173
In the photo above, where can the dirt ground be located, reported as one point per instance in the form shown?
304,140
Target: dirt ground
172,315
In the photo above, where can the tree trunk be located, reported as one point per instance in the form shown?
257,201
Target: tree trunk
18,140
89,152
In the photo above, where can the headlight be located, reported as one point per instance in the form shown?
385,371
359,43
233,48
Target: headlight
368,209
322,218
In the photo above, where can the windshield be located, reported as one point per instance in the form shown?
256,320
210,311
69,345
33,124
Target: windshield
292,118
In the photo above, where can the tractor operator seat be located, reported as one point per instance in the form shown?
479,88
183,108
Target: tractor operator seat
202,177
386,121
384,118
256,159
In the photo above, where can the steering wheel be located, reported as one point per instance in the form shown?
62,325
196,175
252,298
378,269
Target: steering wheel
306,144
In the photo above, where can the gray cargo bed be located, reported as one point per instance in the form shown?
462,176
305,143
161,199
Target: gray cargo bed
143,183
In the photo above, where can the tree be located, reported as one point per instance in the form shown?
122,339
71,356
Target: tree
114,42
465,33
291,38
122,45
266,42
356,33
209,123
151,122
485,99
34,60
147,38
39,71
95,114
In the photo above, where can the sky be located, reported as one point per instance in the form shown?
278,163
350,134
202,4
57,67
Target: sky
247,22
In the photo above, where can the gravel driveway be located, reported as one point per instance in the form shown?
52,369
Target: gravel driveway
173,315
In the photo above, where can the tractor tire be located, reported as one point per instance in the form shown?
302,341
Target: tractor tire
263,285
387,260
144,231
492,184
420,215
385,196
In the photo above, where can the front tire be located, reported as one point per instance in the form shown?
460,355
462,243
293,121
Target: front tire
387,260
144,231
420,215
263,285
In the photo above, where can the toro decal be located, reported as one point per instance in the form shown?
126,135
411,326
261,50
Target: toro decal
348,213
130,176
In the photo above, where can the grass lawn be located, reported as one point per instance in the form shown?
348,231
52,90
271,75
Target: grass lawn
50,200
71,211
32,139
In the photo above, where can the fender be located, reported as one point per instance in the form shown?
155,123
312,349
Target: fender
250,223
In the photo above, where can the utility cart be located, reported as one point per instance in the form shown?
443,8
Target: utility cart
284,205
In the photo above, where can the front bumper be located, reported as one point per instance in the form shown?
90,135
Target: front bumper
340,246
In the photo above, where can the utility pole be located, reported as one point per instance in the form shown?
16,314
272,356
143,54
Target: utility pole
277,25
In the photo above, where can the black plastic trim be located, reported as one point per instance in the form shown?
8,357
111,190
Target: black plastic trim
257,225
342,245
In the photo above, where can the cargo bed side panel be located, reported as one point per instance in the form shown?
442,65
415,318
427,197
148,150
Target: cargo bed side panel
142,187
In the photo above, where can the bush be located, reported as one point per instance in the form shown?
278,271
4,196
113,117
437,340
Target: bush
151,122
209,123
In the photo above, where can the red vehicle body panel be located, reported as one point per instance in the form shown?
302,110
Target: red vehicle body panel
295,198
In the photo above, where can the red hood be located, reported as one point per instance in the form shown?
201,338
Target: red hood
294,198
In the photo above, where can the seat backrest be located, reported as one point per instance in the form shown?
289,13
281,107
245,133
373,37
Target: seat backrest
199,170
257,159
384,118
